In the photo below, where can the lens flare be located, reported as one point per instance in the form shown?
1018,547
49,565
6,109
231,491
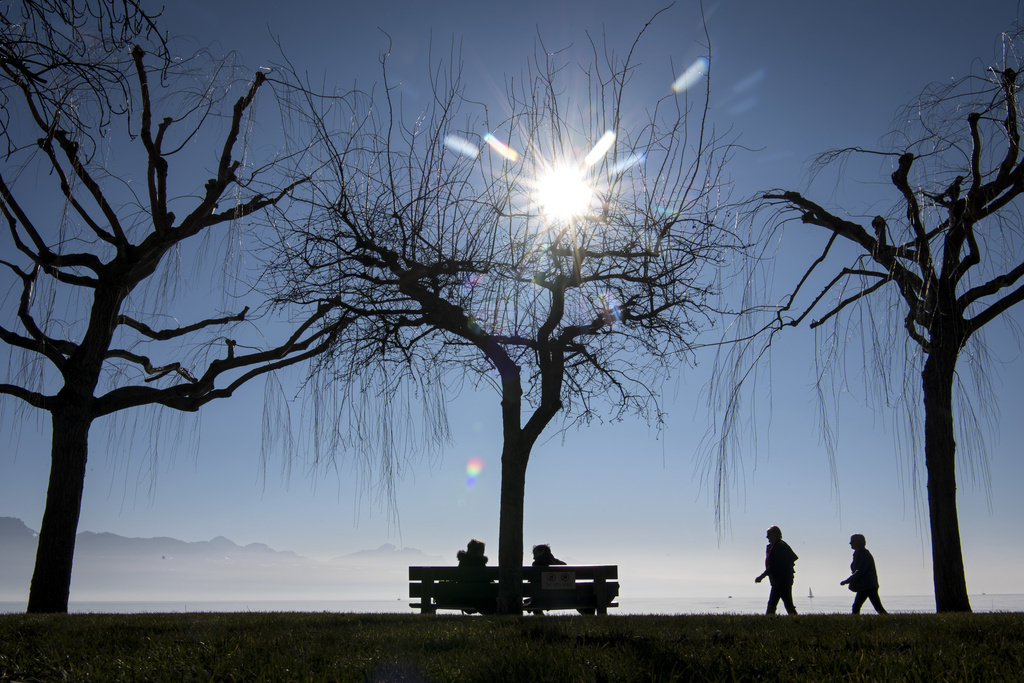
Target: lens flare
600,149
501,148
694,73
750,82
461,146
628,162
609,309
474,466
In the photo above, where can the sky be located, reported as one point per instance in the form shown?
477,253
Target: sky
791,79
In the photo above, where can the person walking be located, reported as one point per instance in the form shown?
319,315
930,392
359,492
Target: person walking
779,561
864,579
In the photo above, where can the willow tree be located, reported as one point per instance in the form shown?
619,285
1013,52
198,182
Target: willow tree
924,279
564,259
121,166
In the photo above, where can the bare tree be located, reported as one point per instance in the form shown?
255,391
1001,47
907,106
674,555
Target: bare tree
98,193
924,279
566,258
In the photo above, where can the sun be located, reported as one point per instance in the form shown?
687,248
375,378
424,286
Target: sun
562,192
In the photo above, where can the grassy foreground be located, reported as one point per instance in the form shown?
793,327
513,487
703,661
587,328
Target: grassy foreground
261,646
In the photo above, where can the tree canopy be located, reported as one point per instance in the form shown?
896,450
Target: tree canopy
565,255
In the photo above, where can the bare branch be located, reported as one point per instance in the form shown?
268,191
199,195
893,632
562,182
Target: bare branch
163,335
883,279
197,392
154,372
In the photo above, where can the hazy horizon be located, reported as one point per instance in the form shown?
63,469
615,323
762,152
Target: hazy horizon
127,574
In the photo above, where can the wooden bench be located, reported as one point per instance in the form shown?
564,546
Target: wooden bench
588,588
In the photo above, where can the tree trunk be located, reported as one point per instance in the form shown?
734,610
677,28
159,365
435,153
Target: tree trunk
948,575
51,578
510,530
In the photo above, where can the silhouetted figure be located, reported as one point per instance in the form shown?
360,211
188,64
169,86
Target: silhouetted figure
779,560
473,555
543,557
864,579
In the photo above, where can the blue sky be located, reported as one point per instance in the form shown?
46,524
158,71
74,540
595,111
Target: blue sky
792,79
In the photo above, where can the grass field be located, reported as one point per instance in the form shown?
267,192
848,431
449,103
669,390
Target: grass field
262,646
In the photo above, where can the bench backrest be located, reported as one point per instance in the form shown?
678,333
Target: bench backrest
582,572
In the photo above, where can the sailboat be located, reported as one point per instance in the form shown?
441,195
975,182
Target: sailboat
810,593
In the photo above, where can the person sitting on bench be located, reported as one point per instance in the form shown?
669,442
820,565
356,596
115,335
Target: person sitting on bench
473,556
543,557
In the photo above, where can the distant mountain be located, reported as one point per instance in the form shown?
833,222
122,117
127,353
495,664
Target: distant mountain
390,553
113,545
110,567
13,532
17,555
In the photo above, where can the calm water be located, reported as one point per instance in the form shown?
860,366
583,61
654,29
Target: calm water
1013,602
